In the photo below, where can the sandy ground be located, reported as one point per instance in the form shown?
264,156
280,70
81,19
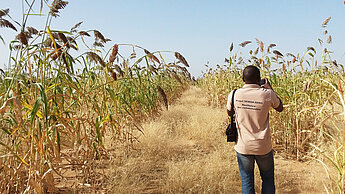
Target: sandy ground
184,150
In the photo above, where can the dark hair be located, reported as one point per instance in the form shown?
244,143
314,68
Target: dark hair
251,75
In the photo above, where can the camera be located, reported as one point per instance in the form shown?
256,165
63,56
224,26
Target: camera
263,81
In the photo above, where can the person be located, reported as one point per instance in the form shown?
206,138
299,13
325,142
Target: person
252,103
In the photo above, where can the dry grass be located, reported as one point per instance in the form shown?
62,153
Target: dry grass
184,150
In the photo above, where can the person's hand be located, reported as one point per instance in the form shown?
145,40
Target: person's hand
267,84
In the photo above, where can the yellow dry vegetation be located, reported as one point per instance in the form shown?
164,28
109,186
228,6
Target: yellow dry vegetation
184,150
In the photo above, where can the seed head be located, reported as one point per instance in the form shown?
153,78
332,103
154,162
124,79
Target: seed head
32,30
329,39
7,24
113,75
83,33
99,36
324,23
278,53
95,58
56,6
164,96
73,29
4,12
23,38
181,59
114,53
243,44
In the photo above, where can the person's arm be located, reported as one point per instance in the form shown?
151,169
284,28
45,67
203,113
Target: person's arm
267,85
228,104
280,107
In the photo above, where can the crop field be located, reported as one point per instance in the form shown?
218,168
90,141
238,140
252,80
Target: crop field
76,117
54,117
311,88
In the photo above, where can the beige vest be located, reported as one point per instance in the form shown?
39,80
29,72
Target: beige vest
252,104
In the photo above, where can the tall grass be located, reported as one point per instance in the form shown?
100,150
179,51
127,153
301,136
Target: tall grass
57,103
311,92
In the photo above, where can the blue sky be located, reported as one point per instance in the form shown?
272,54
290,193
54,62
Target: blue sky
200,30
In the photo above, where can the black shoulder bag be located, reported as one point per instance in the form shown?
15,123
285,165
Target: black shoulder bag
231,130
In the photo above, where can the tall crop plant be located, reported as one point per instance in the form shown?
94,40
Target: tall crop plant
311,93
56,107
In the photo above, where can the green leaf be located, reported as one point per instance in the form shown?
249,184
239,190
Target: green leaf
58,138
95,148
43,99
59,31
112,95
98,132
2,40
41,8
35,110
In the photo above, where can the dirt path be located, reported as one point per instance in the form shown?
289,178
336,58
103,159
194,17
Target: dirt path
184,150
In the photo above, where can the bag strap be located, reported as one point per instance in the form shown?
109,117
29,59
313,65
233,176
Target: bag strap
232,111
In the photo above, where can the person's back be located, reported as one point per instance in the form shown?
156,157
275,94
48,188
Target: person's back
252,104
